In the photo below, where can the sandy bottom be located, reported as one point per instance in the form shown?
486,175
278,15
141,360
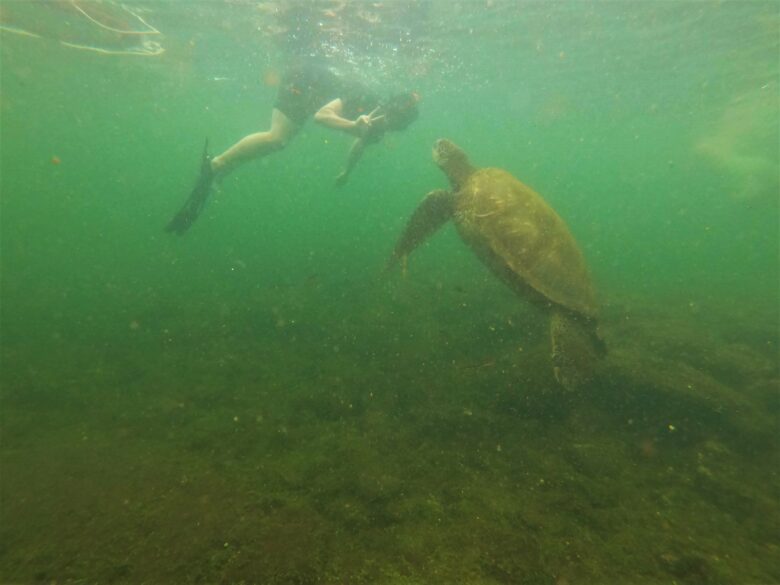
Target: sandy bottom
391,444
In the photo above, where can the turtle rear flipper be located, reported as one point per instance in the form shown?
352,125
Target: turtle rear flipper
430,215
576,349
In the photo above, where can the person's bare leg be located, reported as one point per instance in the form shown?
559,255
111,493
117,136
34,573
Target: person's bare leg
256,145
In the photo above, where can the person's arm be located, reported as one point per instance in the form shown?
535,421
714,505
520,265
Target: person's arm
331,116
358,147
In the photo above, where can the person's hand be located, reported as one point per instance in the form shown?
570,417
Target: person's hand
364,123
341,180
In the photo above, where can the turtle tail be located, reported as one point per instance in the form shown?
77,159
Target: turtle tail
576,349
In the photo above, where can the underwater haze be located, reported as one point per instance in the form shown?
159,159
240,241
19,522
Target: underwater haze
258,402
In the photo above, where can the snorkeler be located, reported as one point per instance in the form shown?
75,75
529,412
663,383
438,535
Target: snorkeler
306,90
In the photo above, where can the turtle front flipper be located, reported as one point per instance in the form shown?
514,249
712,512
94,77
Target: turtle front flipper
576,349
430,215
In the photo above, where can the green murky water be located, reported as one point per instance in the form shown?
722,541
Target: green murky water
255,403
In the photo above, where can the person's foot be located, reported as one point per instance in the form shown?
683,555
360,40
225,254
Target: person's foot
187,215
206,172
218,165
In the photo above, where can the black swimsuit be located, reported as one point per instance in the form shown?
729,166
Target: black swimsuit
306,88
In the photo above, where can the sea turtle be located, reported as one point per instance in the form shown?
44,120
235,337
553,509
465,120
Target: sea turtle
525,244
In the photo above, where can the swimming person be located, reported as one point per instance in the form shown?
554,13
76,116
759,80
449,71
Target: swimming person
306,90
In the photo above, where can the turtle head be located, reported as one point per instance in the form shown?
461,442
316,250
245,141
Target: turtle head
453,161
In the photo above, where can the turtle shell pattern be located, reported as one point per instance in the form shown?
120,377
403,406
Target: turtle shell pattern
511,227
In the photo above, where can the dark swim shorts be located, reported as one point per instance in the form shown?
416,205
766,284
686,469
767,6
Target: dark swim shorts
306,88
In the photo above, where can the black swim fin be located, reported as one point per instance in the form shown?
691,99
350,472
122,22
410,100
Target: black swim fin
187,215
